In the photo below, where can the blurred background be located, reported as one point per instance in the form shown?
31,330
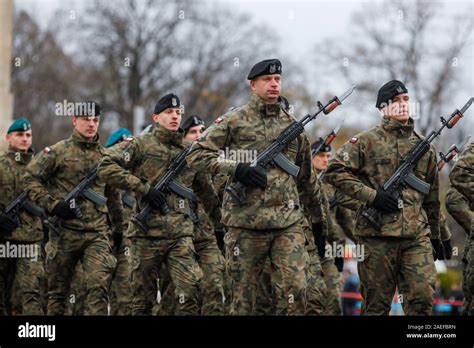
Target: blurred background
126,54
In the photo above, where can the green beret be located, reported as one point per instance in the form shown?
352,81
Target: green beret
20,125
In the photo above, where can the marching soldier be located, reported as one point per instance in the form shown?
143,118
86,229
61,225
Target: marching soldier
460,204
83,233
402,247
23,232
120,289
209,256
269,224
136,165
331,264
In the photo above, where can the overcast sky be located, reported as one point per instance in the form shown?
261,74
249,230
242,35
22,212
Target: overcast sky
299,24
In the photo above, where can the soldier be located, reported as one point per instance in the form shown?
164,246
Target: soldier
209,256
55,172
269,224
120,289
331,264
460,204
402,247
136,165
22,233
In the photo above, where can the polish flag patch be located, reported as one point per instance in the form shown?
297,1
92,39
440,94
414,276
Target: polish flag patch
218,120
47,150
353,140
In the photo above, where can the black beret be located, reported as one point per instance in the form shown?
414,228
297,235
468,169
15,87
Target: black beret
389,91
265,67
192,121
319,146
168,101
91,108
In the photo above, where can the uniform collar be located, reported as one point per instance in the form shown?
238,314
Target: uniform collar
263,108
20,156
82,141
168,137
397,128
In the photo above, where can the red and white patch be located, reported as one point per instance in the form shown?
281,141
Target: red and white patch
129,139
218,120
47,150
353,140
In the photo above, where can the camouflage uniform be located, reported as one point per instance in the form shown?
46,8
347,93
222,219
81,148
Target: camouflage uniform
27,272
212,265
135,165
332,278
460,204
270,223
120,289
403,245
49,177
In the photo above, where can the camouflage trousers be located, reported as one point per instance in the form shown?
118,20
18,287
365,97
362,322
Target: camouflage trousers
77,292
315,284
211,291
121,289
468,276
64,251
27,273
333,281
386,261
246,254
179,255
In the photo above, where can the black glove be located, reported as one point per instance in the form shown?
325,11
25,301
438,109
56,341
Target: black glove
117,237
385,202
220,233
339,262
157,200
319,238
64,211
250,176
7,225
445,250
437,249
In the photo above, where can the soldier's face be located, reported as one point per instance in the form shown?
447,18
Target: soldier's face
86,126
267,87
169,118
194,133
398,108
20,140
321,160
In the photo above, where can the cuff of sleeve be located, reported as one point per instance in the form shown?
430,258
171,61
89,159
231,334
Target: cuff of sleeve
228,167
367,195
51,204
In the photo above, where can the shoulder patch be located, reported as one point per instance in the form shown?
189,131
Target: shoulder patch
128,139
47,150
219,120
354,140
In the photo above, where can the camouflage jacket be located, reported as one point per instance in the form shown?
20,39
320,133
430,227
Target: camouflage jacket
59,168
363,164
462,178
12,168
458,206
243,132
335,230
138,163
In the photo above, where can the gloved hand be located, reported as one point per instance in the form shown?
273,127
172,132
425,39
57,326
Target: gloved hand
446,250
220,233
117,237
339,262
385,202
157,200
319,238
437,249
7,225
64,211
250,176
